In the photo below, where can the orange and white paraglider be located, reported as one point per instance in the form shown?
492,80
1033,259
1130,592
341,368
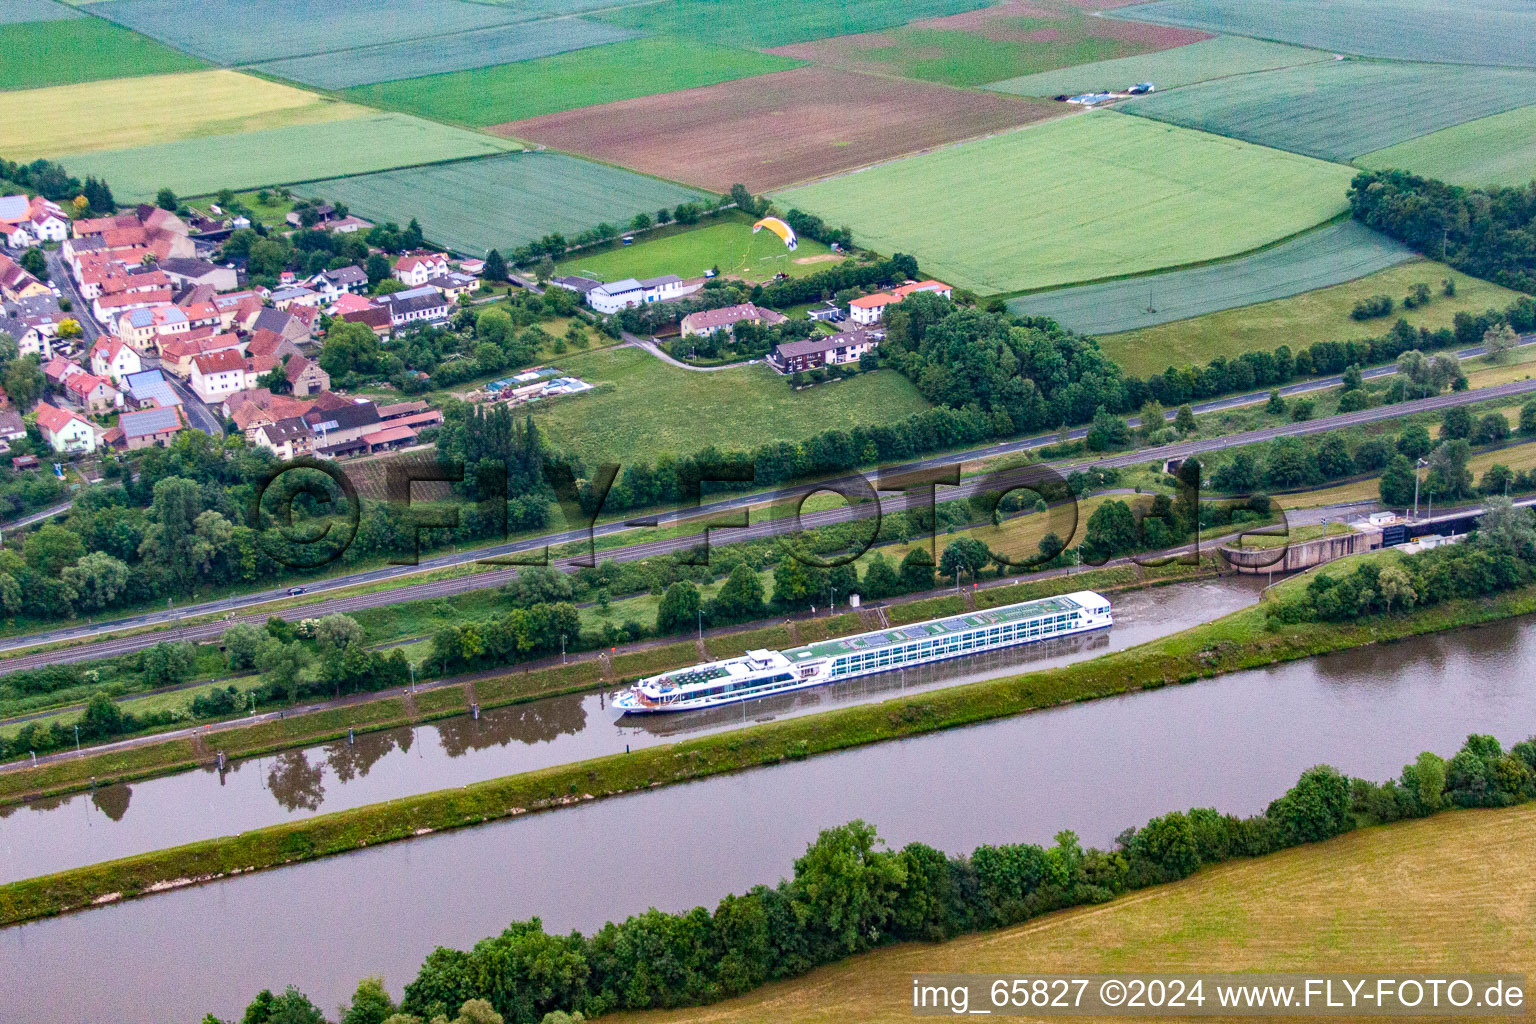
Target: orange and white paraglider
779,228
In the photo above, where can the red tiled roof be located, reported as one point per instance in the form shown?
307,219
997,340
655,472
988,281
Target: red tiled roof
53,419
219,362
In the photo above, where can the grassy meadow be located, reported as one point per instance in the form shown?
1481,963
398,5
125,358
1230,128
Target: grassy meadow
1090,196
1299,321
643,405
276,156
726,242
1496,150
476,205
144,111
764,23
1330,255
598,74
1183,65
37,54
1326,907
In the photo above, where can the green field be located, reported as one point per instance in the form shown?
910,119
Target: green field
14,12
1091,196
764,23
600,74
282,155
1182,65
1300,320
1330,255
653,409
1463,32
1340,109
477,205
1009,40
727,243
1497,150
411,58
1447,893
42,53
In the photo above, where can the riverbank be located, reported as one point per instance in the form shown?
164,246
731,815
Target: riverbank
1292,903
498,688
1235,642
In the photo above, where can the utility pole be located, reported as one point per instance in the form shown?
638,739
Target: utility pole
562,648
1421,465
701,623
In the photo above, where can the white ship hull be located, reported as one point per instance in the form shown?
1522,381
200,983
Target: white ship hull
768,673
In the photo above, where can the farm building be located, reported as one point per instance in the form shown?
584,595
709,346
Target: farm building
610,298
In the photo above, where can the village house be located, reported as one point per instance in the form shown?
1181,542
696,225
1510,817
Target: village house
610,298
472,267
285,438
148,329
376,318
109,309
218,374
92,393
278,322
148,428
336,429
332,284
425,304
16,284
348,225
187,273
65,431
296,295
176,354
708,321
305,376
148,389
417,269
255,407
12,428
868,309
453,285
263,342
829,350
25,222
113,359
34,323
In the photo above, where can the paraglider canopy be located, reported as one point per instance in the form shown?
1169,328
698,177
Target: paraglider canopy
779,228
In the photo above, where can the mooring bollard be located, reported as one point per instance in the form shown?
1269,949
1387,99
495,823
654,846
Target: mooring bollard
474,712
221,760
351,737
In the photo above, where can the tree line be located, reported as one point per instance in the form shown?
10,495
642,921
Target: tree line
1486,231
848,894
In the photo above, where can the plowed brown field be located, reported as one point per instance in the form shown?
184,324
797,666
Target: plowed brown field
776,130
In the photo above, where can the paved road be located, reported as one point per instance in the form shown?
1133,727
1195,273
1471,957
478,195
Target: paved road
35,517
635,341
58,274
769,528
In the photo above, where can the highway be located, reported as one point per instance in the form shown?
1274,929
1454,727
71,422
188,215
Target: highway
896,501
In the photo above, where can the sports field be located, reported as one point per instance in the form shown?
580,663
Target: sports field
1463,32
1017,37
658,409
727,243
1301,320
774,130
765,23
1096,195
415,57
1328,256
43,53
477,205
598,74
1340,109
1166,69
1447,893
248,31
127,112
1497,150
280,156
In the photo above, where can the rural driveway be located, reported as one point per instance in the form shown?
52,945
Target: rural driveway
635,341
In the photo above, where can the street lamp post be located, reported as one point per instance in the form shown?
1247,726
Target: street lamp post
562,648
1421,465
701,623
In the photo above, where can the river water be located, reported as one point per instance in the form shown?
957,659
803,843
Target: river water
1233,743
117,821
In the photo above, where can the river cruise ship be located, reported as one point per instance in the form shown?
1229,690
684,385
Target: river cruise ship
764,672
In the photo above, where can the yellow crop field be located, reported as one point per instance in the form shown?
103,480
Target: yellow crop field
127,112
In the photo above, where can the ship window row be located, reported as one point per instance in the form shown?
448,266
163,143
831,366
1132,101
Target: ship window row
926,649
774,683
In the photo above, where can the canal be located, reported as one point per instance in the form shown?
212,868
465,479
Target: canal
1234,743
117,821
